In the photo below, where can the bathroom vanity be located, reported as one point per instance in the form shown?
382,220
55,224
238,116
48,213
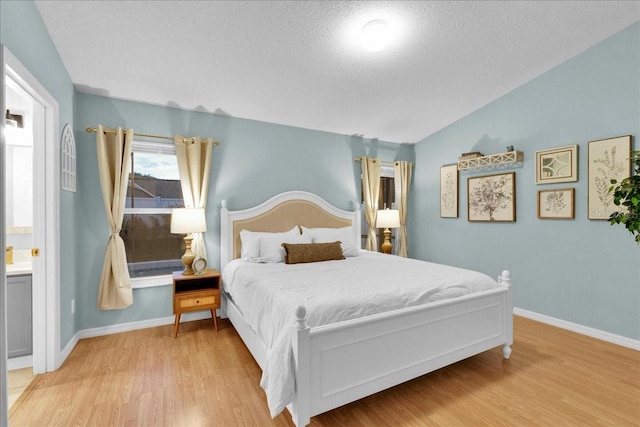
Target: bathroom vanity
19,315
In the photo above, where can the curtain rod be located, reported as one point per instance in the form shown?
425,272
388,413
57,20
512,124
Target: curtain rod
359,159
144,135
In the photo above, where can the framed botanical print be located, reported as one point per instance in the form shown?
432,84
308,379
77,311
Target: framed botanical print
557,165
492,198
449,191
556,204
608,159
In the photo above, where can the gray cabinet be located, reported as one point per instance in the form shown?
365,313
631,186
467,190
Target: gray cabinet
19,316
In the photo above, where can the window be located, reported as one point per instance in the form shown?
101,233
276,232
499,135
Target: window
386,199
68,159
153,190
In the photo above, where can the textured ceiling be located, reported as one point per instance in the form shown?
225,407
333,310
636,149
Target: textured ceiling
301,64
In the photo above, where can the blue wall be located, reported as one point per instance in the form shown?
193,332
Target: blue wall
254,161
23,32
580,270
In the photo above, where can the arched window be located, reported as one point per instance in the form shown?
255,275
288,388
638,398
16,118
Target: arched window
68,160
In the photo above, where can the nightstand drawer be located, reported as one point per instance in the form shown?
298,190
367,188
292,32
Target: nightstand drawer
196,301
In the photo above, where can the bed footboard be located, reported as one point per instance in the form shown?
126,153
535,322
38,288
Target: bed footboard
339,363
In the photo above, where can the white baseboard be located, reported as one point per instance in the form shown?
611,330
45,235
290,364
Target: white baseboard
19,362
584,330
66,351
126,327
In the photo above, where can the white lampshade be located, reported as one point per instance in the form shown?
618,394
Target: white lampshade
188,220
388,218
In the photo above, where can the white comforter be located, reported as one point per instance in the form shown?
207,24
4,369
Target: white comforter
332,291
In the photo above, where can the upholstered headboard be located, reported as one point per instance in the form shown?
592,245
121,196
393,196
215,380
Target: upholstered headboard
281,213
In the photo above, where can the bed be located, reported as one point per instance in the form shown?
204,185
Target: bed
335,363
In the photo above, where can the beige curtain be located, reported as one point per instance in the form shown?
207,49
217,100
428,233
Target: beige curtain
402,181
194,163
114,160
371,191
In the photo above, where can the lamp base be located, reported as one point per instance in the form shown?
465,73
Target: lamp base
188,257
386,246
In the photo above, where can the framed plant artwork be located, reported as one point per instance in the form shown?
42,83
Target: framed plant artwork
556,204
557,165
608,159
449,191
492,198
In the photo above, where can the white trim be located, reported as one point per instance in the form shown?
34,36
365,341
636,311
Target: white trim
151,281
387,171
148,211
153,147
580,329
46,303
66,351
19,362
4,403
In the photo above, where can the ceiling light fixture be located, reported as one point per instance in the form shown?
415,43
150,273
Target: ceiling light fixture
375,35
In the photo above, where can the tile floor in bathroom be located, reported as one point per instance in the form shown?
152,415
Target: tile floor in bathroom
17,381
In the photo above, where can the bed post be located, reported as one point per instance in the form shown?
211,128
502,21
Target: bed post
505,280
225,236
355,224
301,402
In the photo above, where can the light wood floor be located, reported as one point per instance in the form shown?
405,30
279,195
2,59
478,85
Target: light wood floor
204,378
17,382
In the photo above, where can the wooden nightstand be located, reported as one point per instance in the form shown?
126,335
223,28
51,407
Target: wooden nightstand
195,293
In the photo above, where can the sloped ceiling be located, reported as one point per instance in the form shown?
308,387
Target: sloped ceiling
301,63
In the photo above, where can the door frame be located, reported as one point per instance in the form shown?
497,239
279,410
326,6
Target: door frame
4,403
46,235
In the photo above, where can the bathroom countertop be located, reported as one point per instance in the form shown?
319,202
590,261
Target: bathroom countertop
18,268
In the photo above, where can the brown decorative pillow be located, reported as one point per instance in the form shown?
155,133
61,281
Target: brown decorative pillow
296,253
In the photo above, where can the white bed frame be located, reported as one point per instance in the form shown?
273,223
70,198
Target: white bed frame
342,362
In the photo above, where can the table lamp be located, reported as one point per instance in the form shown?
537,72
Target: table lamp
187,221
387,218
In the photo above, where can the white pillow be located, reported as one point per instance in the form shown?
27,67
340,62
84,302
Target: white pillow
250,241
271,249
326,235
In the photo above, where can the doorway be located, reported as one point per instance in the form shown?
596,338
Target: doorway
23,116
18,82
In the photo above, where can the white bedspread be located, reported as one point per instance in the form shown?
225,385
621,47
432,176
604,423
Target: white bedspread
332,291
